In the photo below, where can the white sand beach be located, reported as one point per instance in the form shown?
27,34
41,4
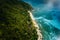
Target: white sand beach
36,25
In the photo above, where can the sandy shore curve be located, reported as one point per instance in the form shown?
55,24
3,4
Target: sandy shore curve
36,25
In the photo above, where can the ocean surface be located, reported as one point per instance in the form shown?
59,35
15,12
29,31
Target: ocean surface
47,16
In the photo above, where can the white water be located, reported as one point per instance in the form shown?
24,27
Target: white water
49,33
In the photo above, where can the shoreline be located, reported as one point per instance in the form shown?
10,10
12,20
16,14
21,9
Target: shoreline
36,25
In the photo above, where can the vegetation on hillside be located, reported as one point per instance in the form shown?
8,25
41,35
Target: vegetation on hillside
15,22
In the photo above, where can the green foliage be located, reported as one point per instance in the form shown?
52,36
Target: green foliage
15,22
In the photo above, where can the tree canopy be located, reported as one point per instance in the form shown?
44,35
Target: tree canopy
15,22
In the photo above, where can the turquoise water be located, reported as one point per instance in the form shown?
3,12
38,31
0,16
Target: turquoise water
47,16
